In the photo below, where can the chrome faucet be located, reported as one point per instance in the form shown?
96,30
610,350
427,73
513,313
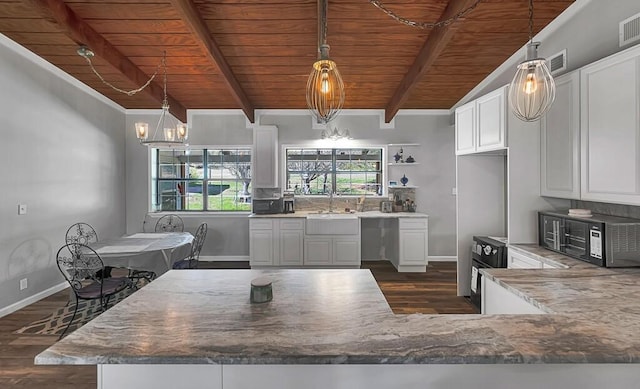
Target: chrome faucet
330,197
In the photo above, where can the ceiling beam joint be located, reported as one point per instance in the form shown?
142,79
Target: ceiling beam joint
191,17
435,44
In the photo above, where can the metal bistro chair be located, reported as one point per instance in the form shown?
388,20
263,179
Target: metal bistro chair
192,261
170,223
80,264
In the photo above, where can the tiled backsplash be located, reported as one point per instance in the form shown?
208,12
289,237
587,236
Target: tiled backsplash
317,203
608,209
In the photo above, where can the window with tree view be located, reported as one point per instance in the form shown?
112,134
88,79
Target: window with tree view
348,171
201,180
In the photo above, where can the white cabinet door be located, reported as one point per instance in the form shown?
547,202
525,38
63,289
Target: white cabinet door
413,247
291,247
264,161
318,251
261,247
465,129
346,252
610,129
491,121
560,141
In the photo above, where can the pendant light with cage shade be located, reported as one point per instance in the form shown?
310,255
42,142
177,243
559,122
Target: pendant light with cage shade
532,90
325,89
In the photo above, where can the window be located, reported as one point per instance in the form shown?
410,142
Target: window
353,171
201,180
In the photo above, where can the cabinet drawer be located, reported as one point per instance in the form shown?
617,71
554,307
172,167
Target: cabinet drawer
413,223
260,224
292,224
519,261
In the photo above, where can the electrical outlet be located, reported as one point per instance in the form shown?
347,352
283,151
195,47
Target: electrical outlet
22,209
23,284
454,191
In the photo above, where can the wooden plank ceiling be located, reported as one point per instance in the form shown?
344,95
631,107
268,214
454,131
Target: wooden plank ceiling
257,54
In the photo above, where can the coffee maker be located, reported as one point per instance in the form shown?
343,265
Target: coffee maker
288,202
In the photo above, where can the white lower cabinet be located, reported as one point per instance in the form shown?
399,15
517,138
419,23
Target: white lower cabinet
517,260
276,242
498,300
332,250
413,245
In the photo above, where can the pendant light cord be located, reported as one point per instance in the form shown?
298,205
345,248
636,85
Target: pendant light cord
323,47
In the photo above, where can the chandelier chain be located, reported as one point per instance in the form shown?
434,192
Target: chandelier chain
424,25
530,20
126,92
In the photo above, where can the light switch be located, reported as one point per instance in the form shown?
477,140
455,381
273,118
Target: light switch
454,191
22,209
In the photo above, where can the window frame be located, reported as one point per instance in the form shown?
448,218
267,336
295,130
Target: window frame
333,147
152,199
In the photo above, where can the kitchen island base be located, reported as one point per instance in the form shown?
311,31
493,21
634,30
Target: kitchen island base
505,376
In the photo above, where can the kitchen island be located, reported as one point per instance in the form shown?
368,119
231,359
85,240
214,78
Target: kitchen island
333,329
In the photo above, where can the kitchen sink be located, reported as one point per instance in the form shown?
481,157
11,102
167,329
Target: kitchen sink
332,224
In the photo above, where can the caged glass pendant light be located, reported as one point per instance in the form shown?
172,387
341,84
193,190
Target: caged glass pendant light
325,89
532,90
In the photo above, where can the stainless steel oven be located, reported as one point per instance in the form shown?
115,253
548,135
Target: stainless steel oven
603,240
486,252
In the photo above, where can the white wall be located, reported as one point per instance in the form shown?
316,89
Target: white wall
62,156
228,235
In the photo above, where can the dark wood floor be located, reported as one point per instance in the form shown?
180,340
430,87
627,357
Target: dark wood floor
433,292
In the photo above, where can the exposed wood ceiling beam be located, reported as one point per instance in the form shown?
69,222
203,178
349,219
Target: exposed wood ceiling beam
434,45
83,34
192,18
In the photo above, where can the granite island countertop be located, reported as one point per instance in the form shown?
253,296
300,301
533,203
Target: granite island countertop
341,317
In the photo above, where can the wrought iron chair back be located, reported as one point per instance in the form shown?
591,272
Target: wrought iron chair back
170,223
81,266
192,261
81,233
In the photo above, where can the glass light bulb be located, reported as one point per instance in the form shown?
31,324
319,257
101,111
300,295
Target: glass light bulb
170,134
530,84
325,85
142,130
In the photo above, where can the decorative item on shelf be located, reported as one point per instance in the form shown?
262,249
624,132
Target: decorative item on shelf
393,183
325,89
532,90
404,180
410,159
335,134
174,134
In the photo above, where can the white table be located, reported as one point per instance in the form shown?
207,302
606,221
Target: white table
156,252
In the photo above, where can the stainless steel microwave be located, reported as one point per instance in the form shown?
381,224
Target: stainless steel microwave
603,240
267,206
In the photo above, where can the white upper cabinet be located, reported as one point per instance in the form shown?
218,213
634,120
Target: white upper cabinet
481,124
491,118
560,141
264,167
466,128
610,129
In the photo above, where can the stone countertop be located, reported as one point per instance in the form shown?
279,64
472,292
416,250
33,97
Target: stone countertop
550,257
341,317
361,215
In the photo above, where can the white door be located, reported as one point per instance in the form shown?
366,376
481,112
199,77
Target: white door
291,247
465,129
491,119
261,247
346,252
610,129
560,141
317,251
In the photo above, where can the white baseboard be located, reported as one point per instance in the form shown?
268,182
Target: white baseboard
443,259
221,258
32,299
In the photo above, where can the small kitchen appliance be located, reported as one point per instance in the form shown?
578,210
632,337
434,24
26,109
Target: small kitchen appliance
288,200
386,206
267,206
604,240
